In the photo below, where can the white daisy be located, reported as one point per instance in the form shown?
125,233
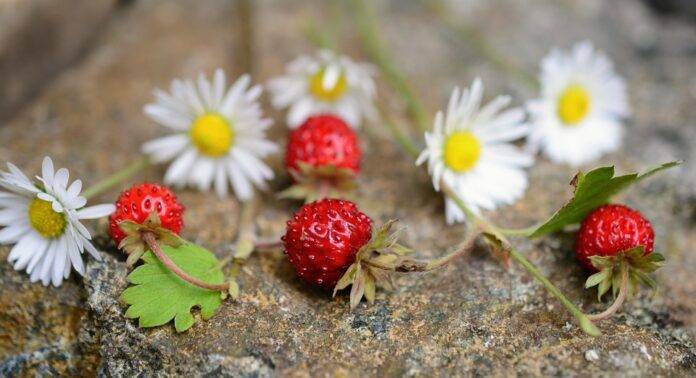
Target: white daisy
578,118
219,138
327,83
42,220
469,150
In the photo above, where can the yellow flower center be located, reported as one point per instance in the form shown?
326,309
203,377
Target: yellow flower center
316,86
462,151
45,221
212,135
573,104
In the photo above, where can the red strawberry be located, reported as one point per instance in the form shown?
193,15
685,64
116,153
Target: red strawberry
611,229
323,238
139,201
323,140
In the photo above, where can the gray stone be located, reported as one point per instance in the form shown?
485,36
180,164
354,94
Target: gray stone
471,318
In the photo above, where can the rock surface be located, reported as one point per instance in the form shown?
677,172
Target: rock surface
472,318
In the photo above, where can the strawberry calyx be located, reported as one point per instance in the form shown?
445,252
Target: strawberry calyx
316,182
622,273
134,245
383,255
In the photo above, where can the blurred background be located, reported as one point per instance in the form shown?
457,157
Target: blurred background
74,75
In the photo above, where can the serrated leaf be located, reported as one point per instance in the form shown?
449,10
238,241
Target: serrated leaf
592,190
157,295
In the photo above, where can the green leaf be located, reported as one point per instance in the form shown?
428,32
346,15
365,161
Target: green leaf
157,295
592,190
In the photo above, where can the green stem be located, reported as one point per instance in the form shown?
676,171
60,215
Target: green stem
374,47
402,139
521,232
584,322
116,178
582,319
479,43
618,302
245,235
151,241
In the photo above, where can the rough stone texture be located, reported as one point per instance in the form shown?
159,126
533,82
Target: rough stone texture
472,318
40,37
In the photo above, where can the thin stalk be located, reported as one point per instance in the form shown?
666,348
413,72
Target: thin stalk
116,178
521,232
401,138
618,302
151,241
582,319
317,38
367,31
245,235
411,265
477,41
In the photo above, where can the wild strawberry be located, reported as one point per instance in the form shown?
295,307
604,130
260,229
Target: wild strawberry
323,141
136,204
323,238
611,229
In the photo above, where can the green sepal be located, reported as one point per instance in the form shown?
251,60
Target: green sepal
309,181
133,243
592,189
373,265
610,269
157,296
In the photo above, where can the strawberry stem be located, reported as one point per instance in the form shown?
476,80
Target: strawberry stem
582,319
411,265
150,239
618,302
116,178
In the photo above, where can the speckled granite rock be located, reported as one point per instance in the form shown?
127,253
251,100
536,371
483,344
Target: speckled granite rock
472,318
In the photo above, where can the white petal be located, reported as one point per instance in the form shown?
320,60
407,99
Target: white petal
47,172
241,185
180,169
95,212
75,188
220,179
92,250
165,148
61,179
47,263
12,215
59,261
13,233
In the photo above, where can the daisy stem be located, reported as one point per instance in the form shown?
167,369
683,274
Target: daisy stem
116,178
521,232
245,236
582,319
151,240
478,42
402,139
618,302
367,31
